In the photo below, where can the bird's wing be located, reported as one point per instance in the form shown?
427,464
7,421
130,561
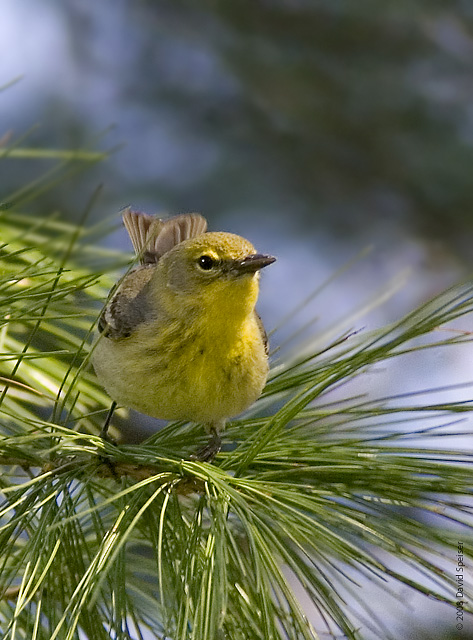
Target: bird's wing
128,306
264,335
152,237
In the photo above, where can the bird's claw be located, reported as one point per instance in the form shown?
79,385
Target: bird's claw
208,452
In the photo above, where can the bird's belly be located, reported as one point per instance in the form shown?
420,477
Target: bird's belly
199,382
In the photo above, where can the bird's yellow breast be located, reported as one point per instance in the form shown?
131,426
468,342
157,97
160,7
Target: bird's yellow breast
198,371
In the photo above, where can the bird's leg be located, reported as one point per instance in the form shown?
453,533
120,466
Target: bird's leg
105,436
104,431
208,452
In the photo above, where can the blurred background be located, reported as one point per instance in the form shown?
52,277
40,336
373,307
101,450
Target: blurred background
315,128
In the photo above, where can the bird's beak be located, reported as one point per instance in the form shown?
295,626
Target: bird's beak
252,263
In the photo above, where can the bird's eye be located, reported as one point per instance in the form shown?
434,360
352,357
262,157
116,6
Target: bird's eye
206,263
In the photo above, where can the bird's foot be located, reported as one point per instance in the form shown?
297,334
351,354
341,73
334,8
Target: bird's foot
104,435
208,452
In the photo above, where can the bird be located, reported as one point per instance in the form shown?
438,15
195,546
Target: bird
179,338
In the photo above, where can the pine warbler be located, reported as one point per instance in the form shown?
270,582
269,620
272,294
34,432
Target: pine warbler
180,337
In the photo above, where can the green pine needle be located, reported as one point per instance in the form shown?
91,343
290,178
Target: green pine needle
308,494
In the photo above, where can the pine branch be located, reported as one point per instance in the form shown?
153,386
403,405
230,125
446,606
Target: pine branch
307,493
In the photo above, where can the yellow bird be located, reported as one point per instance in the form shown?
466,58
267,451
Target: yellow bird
180,337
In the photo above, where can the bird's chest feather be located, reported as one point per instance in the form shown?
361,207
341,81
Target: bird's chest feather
186,371
219,356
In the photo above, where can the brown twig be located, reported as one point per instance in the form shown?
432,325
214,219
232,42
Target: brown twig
105,469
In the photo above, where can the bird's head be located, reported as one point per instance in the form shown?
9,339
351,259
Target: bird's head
213,270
